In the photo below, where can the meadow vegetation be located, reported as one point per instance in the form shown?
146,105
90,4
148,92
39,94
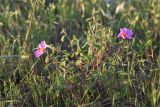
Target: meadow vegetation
87,64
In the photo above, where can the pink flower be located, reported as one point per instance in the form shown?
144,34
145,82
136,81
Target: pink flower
125,33
40,49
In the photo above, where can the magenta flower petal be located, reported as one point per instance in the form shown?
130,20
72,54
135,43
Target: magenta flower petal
129,34
125,33
43,45
38,53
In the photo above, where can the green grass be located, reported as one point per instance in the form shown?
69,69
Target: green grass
88,65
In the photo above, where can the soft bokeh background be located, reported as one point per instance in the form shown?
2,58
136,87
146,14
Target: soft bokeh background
89,65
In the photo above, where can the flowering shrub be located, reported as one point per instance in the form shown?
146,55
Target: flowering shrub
80,63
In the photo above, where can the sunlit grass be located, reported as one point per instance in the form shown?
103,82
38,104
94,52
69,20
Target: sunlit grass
86,64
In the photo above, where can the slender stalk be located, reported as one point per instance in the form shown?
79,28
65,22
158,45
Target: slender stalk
14,56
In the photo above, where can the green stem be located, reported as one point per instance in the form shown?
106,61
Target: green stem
14,56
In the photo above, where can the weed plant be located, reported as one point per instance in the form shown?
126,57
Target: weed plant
87,64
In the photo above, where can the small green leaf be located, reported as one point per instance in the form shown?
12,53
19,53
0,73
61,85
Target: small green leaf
148,43
62,38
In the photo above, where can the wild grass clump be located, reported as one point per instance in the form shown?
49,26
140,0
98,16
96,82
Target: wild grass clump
84,62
